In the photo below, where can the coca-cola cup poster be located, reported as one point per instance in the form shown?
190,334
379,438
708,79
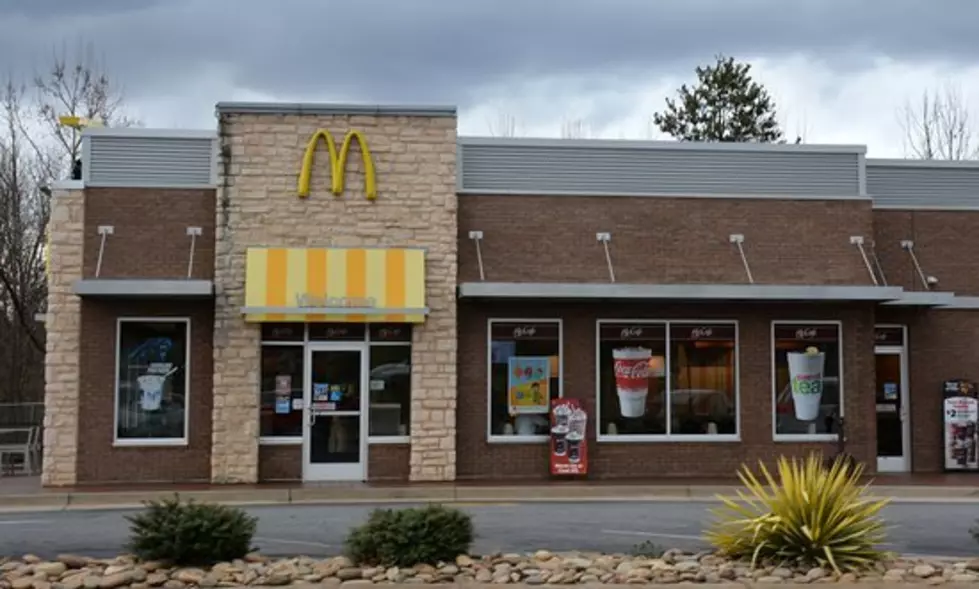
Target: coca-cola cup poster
528,384
569,442
632,379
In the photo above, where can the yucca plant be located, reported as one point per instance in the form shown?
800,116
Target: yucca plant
812,515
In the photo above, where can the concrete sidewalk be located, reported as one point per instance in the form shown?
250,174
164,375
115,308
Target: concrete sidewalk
108,498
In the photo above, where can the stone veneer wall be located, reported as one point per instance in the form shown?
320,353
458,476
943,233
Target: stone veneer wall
66,230
258,206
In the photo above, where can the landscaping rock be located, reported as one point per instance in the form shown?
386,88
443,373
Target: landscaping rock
115,580
543,567
51,569
349,574
73,562
22,583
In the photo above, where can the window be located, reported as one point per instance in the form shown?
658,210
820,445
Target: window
807,367
667,379
390,380
281,410
703,377
524,359
282,396
282,381
152,372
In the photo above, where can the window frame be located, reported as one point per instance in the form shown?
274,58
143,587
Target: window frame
671,437
303,345
136,442
492,438
777,437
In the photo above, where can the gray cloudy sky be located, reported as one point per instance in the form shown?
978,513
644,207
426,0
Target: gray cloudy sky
839,69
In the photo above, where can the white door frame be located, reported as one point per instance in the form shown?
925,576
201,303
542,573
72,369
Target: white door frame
334,472
898,463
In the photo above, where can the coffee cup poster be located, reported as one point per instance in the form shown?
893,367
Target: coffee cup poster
528,384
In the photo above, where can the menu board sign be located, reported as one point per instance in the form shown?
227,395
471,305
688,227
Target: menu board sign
569,443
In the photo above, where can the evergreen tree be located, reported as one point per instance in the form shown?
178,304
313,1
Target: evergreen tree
726,105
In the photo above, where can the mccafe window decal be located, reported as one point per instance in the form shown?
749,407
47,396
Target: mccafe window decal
667,378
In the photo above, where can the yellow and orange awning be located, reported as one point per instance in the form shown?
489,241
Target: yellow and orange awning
335,285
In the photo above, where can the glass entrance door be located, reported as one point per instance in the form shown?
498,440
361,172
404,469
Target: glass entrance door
334,444
893,431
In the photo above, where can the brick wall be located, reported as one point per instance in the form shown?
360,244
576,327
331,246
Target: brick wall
479,459
388,462
150,232
98,460
280,463
663,240
944,242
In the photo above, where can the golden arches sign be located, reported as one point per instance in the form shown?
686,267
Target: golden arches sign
338,163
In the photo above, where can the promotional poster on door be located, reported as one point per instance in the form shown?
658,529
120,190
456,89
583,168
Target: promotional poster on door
569,443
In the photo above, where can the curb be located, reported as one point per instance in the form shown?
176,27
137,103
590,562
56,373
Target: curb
82,500
726,585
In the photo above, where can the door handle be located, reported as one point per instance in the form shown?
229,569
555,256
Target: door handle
312,417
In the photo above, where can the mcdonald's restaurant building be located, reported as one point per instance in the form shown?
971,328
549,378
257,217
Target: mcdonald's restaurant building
353,293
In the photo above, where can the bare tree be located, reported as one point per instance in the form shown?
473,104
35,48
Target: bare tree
23,220
505,125
939,126
575,129
36,150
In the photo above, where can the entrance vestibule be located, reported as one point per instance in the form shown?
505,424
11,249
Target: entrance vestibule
892,399
335,389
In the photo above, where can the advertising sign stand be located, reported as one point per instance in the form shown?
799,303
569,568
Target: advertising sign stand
569,440
961,425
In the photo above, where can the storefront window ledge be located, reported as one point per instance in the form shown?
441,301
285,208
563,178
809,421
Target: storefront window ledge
806,438
517,439
129,443
280,441
389,440
674,439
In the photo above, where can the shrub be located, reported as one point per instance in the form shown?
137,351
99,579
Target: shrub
813,515
648,549
406,537
189,533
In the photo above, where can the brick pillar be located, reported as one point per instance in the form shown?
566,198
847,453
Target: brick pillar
61,374
433,374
